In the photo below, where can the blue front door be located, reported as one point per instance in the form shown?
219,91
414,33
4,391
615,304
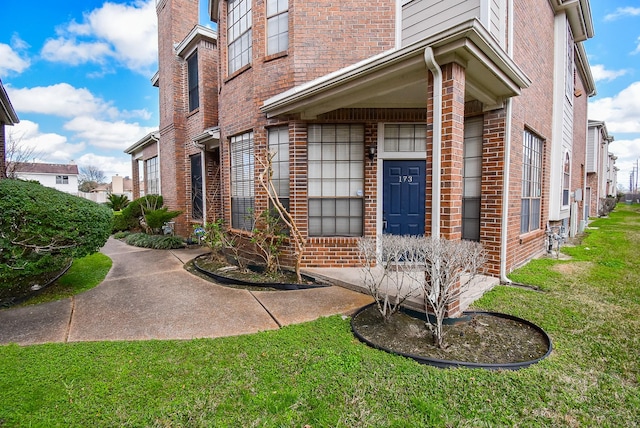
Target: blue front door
403,194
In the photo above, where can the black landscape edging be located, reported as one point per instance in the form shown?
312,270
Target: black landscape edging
452,363
277,285
12,301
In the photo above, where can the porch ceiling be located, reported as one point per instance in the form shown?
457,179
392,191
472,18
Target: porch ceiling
398,78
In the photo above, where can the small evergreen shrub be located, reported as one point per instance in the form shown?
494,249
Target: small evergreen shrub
42,228
157,242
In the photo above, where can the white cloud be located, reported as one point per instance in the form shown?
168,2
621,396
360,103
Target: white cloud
110,165
600,73
74,53
107,135
620,112
11,60
124,32
637,49
45,147
622,12
627,152
64,100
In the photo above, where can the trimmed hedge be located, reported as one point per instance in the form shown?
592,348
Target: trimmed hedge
41,228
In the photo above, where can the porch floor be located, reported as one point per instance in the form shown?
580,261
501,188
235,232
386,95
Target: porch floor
353,279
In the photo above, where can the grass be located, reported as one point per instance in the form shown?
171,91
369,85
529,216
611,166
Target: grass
84,274
318,374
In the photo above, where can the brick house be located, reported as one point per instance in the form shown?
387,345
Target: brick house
388,116
8,117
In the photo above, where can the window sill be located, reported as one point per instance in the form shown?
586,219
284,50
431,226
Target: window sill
275,56
237,73
193,112
530,236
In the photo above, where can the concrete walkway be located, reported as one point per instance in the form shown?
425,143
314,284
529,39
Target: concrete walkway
147,294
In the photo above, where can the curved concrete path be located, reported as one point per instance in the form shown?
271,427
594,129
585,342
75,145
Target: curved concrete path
147,294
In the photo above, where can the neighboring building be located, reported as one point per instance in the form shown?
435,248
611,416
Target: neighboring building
118,186
58,176
601,169
8,117
463,120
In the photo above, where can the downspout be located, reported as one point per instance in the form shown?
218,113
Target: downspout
504,230
433,66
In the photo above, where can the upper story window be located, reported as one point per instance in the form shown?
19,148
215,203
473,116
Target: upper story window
192,72
62,179
277,26
239,34
531,183
566,179
569,66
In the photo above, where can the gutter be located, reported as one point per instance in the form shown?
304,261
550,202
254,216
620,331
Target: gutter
433,66
504,230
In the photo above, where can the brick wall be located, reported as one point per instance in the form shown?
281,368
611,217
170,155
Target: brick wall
534,53
326,36
178,125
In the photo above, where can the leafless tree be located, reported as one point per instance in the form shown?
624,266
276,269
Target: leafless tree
90,177
266,182
16,153
390,273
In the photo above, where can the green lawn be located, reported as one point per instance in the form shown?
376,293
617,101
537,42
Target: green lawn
84,274
318,374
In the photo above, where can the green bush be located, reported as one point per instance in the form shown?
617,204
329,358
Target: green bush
129,218
157,242
41,228
117,202
157,218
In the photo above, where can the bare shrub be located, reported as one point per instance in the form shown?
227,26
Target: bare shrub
402,267
389,275
449,269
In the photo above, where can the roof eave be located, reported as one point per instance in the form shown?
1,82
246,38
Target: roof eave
151,137
8,115
469,36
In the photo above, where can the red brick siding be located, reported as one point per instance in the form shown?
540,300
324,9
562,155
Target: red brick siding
579,160
534,53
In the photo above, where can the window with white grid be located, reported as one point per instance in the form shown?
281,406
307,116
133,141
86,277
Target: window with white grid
277,26
279,148
239,23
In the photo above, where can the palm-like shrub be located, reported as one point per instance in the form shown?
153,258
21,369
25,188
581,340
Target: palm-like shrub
117,202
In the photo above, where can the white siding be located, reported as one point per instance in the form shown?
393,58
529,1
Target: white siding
592,149
49,180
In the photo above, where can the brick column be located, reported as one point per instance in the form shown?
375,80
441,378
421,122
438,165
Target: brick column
453,87
493,151
298,203
135,172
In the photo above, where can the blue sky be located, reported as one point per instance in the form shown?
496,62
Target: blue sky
78,75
